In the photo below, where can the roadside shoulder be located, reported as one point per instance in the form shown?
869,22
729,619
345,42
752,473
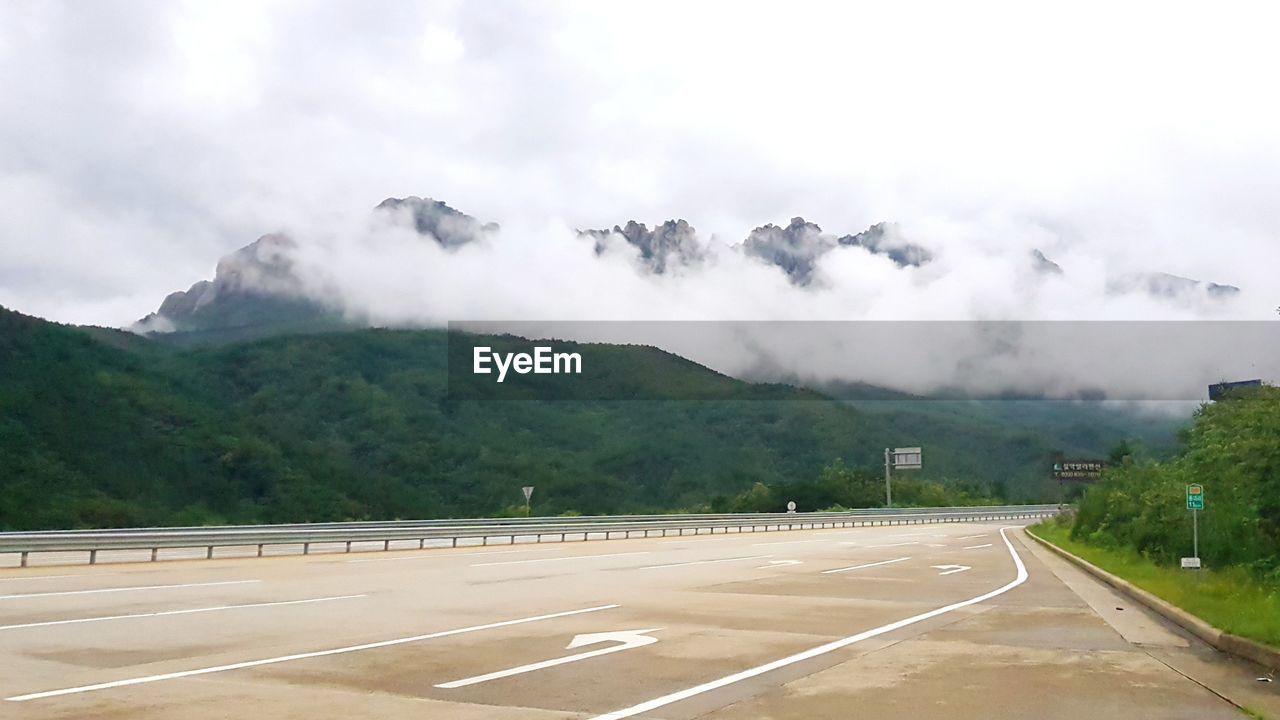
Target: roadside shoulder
1264,655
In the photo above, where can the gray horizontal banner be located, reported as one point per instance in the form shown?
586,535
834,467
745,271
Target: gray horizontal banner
865,360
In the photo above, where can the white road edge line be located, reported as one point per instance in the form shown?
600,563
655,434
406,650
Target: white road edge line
859,567
665,700
977,547
299,656
124,589
704,562
555,559
181,612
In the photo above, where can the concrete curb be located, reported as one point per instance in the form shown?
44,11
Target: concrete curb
1263,655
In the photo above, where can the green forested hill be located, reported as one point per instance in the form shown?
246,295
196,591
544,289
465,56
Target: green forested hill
100,428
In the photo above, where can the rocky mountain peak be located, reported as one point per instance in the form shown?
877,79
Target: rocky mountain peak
673,243
449,227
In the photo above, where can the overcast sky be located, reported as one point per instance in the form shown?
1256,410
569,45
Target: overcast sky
141,141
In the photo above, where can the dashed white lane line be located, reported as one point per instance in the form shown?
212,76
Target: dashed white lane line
859,567
135,588
705,562
438,555
557,559
891,545
977,547
971,537
192,611
787,542
300,656
665,700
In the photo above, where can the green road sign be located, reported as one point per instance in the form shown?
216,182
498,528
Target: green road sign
1195,497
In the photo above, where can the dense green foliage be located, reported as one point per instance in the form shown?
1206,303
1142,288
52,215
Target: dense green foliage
1233,450
102,428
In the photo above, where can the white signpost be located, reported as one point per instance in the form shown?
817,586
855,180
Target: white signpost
1195,503
908,458
528,493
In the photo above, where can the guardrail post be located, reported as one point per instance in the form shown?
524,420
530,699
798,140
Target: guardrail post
386,545
348,546
306,548
24,558
259,549
209,555
93,556
153,553
422,543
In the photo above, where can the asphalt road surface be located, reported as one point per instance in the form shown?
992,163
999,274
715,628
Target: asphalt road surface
962,620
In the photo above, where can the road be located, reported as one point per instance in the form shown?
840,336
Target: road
961,620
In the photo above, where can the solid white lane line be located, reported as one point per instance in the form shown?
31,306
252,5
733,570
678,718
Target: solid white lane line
859,567
300,656
665,700
436,555
179,612
976,547
704,562
125,589
54,577
556,559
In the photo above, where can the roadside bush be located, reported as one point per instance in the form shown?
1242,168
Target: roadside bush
1233,450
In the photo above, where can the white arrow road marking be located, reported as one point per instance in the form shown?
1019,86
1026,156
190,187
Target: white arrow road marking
820,650
949,569
977,547
626,640
302,656
779,563
859,567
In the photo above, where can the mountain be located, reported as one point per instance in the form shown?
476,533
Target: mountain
797,247
1044,265
436,220
673,243
1164,285
104,428
258,291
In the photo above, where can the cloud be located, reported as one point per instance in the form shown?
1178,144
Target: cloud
140,142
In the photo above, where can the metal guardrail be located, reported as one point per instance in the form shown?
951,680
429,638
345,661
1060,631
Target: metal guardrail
94,541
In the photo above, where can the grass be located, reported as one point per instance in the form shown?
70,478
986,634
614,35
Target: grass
1230,599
